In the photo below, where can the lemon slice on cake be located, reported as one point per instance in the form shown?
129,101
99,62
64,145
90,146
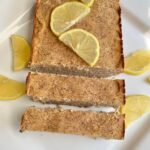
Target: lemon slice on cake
66,15
21,52
135,107
11,89
88,2
83,43
138,63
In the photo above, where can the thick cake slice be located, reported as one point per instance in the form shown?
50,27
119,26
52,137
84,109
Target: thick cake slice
93,124
75,90
51,55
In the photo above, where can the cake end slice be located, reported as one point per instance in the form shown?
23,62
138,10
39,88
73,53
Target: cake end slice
92,124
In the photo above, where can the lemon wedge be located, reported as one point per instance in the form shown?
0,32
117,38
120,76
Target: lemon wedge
148,79
89,3
11,89
66,15
138,63
83,43
136,106
21,52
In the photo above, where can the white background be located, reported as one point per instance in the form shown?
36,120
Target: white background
16,17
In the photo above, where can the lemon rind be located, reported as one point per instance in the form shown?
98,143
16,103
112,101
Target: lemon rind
88,4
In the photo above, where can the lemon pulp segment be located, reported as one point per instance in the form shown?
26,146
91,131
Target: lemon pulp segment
11,89
21,52
138,63
135,107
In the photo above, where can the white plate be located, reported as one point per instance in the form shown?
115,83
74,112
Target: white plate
16,17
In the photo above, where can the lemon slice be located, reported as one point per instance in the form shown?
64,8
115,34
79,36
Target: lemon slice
11,89
21,52
136,106
66,15
138,63
89,3
83,43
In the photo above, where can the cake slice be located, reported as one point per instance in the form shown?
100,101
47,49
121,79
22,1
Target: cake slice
92,124
75,90
52,56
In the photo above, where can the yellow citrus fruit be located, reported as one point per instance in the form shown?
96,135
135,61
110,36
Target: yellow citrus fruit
83,43
11,89
148,79
138,63
66,15
21,52
88,2
135,107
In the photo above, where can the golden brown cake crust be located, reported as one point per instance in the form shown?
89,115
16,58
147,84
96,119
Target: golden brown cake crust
74,90
104,22
93,124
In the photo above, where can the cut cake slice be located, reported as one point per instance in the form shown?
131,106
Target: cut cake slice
92,124
75,90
